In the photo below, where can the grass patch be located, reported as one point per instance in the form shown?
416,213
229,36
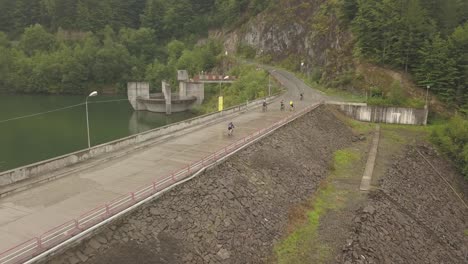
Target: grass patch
358,126
402,134
252,83
344,160
303,241
303,245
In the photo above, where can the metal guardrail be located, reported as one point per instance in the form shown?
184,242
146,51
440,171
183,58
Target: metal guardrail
59,234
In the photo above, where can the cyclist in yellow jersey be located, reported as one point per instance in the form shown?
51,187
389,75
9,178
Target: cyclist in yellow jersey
291,104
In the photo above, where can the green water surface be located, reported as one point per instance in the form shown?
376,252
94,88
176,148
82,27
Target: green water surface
31,139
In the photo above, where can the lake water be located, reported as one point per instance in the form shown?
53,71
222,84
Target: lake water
44,136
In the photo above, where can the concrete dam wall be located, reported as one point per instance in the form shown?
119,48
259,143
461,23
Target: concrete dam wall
382,114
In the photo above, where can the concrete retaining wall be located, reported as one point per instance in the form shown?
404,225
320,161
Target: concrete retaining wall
29,172
380,114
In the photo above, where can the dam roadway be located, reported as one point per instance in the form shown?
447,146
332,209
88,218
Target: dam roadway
28,214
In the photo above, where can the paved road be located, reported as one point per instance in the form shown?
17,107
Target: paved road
30,213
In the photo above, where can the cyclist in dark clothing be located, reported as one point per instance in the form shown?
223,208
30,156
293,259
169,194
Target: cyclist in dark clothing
230,128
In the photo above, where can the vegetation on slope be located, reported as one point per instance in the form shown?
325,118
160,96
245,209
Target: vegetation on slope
452,139
74,46
428,38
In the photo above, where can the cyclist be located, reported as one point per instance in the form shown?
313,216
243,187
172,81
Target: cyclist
282,105
302,96
291,104
264,105
230,128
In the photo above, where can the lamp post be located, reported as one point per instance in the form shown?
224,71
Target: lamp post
427,93
269,84
87,119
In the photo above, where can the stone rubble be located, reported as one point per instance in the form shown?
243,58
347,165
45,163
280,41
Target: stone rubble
413,218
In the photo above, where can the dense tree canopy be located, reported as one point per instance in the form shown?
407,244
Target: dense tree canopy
70,46
425,37
73,46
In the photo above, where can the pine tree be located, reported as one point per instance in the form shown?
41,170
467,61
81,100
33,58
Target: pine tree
7,22
152,16
459,51
437,68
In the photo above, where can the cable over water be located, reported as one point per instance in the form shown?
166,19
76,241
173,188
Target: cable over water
59,109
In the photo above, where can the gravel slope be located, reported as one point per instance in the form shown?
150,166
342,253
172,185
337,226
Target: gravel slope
414,218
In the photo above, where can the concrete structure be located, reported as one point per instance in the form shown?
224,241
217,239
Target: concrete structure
24,177
166,89
122,166
370,164
381,114
191,93
135,91
166,102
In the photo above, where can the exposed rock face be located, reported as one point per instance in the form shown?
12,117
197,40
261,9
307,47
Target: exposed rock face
304,32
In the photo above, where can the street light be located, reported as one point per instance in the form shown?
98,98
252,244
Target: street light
87,119
269,82
427,93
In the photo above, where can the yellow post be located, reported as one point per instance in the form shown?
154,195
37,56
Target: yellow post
220,103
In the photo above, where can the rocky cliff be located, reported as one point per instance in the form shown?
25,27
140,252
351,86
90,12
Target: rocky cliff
293,31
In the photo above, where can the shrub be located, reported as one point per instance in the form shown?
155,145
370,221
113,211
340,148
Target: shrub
452,140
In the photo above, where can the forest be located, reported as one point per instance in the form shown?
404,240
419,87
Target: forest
73,46
427,38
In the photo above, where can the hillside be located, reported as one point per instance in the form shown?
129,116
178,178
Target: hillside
424,41
73,46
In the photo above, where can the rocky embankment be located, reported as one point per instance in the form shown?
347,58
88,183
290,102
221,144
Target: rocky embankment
233,213
414,217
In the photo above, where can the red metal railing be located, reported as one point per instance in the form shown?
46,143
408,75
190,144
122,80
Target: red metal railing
59,234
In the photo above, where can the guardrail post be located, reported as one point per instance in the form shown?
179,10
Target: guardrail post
39,243
154,186
133,197
173,176
107,210
77,225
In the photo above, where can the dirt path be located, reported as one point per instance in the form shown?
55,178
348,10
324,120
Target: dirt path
234,213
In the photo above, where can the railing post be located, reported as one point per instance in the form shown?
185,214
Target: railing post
39,243
154,186
133,197
77,225
107,210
